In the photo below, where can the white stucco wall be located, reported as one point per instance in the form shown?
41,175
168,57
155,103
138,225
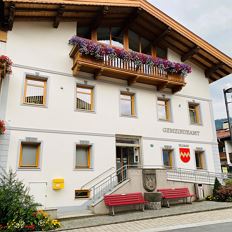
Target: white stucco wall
39,49
228,149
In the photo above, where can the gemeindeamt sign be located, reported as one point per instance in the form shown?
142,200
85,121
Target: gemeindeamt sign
181,131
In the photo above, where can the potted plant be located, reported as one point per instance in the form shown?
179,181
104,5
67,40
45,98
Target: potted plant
5,65
2,127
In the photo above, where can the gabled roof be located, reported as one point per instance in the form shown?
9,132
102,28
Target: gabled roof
139,15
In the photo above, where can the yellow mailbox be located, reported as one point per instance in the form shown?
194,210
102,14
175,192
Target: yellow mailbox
58,184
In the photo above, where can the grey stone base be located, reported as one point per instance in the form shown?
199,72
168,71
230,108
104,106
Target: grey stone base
153,205
52,212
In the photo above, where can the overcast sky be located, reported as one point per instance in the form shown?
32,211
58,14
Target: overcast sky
212,21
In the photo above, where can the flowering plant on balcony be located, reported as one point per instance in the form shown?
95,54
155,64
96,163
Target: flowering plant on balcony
5,65
99,50
2,127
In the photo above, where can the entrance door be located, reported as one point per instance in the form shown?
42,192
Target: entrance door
124,156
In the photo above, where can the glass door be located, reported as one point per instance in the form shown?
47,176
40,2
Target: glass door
122,159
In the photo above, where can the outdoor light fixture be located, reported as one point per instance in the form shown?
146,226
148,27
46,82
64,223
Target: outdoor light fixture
226,91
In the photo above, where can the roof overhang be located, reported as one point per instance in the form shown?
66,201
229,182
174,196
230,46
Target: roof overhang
138,15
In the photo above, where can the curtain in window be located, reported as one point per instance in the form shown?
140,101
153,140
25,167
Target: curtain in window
82,157
29,155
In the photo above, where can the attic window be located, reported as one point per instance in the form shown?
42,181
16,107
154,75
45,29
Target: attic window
110,36
161,52
83,32
138,43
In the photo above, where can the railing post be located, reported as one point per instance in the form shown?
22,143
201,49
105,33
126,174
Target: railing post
94,193
208,178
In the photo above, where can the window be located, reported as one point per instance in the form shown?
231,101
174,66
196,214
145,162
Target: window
117,37
230,157
164,109
110,35
194,113
84,98
127,104
29,155
83,32
82,156
82,193
167,158
35,91
138,43
103,35
161,52
199,157
146,46
134,41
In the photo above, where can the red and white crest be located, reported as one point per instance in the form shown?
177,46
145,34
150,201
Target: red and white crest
185,155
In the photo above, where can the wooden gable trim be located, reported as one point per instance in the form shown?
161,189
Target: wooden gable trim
128,3
157,15
185,32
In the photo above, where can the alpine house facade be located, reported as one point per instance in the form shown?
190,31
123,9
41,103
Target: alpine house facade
100,86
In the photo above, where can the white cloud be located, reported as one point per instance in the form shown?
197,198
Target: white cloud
212,21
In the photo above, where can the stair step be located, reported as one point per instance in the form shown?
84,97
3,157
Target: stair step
75,214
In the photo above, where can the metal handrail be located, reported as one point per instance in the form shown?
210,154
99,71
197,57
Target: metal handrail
109,183
110,175
120,175
196,176
86,184
202,171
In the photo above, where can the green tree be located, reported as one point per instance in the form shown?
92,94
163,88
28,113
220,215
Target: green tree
217,186
15,201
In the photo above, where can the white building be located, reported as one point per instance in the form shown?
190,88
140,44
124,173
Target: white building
81,125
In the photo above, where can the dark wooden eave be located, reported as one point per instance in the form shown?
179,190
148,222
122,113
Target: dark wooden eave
161,36
130,20
190,53
137,15
60,12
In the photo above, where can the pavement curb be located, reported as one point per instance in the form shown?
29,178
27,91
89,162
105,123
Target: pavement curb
140,219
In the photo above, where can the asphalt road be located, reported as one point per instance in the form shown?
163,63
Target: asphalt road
221,227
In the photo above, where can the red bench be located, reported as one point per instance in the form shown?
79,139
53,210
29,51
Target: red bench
124,199
175,193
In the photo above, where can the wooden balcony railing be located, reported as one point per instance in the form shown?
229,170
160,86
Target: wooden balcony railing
125,70
39,100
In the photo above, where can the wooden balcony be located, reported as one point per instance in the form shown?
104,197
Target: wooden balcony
125,70
2,70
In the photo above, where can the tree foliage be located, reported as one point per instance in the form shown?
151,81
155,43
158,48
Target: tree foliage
15,201
217,186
